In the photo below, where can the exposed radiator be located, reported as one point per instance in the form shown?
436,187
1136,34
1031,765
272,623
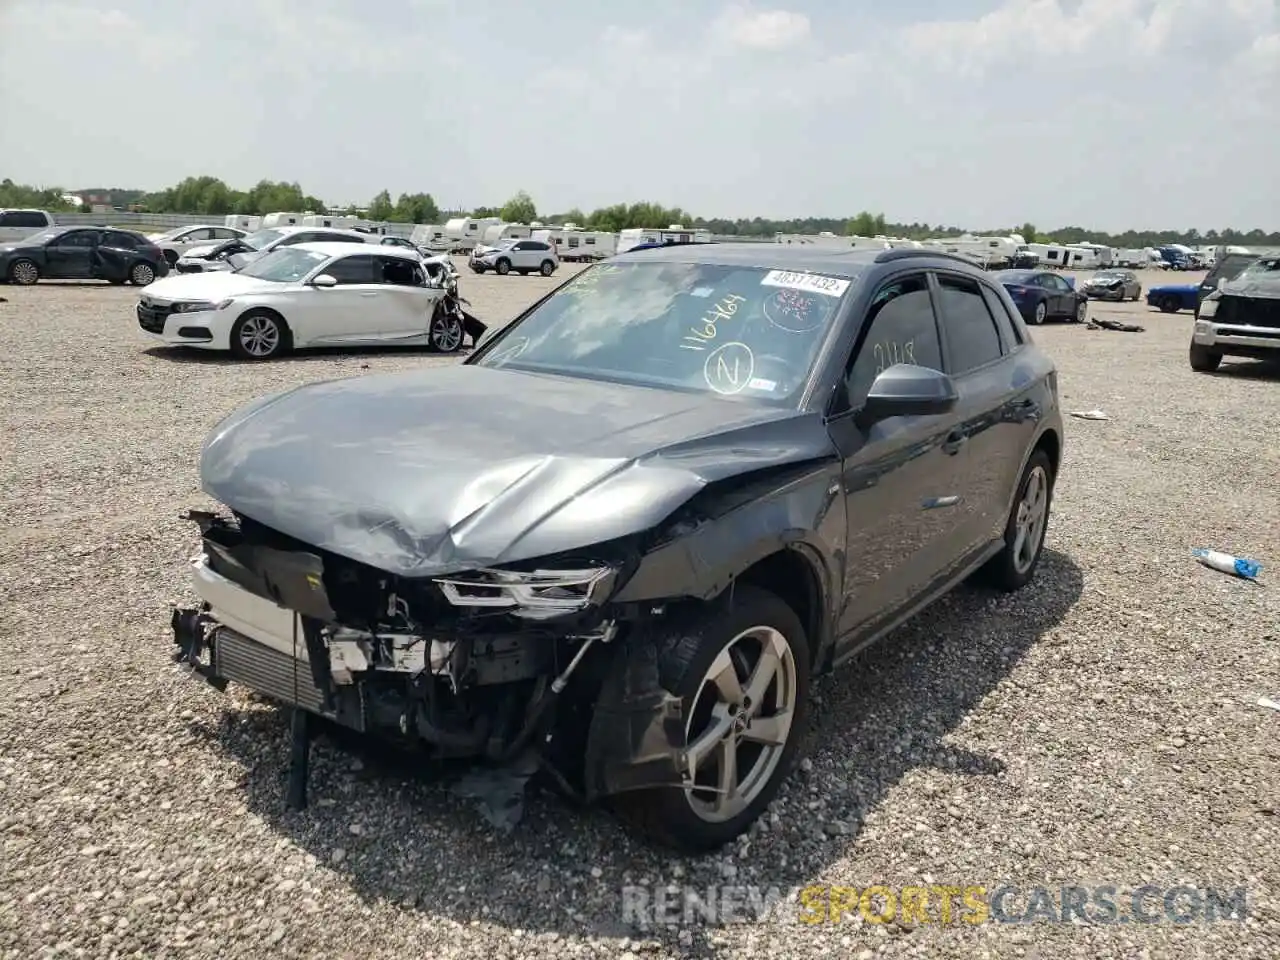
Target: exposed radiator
265,670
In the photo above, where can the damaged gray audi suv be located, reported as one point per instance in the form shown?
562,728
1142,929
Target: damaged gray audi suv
628,530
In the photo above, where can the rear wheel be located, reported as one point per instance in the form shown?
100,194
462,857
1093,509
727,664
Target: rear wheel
548,268
1014,566
743,678
1041,313
23,272
1202,359
1170,305
142,274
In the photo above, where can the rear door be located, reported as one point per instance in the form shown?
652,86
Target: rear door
900,479
70,256
116,254
997,411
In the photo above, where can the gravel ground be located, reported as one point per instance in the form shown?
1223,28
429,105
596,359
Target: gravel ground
1098,728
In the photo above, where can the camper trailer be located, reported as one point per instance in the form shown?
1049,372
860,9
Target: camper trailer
576,245
496,233
676,233
1133,258
994,252
337,222
429,236
825,241
1106,256
240,222
282,220
466,233
1066,256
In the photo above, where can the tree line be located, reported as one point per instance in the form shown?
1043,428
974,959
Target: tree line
212,197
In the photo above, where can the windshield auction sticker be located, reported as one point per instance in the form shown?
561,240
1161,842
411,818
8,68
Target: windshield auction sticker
831,286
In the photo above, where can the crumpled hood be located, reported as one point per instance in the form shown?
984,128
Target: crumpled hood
1262,288
448,469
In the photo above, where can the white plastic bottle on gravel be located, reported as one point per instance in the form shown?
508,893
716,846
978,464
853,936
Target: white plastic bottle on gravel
1225,562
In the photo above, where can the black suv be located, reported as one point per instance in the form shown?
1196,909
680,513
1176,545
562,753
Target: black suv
714,470
1238,312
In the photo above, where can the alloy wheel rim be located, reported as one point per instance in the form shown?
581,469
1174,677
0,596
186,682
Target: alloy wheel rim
259,336
1080,312
739,724
1029,522
24,273
143,275
1041,310
446,333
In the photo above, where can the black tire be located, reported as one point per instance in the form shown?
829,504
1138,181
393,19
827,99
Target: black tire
547,268
171,256
1202,359
1007,570
264,320
1082,312
1041,313
141,274
1170,305
477,269
503,267
686,653
23,273
446,332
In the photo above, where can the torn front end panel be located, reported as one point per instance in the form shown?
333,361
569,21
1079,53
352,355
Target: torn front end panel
471,665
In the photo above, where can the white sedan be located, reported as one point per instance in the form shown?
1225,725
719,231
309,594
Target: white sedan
179,240
306,295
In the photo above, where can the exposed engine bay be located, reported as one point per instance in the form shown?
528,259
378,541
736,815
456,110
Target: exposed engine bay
483,664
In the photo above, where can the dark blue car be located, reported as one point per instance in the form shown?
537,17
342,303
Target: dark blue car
1172,297
1042,295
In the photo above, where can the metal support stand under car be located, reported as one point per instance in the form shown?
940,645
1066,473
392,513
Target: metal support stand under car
300,759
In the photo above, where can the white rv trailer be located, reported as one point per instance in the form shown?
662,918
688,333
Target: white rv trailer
1066,256
338,222
248,224
1133,258
676,233
826,241
1106,255
431,236
282,220
989,251
465,233
498,232
574,245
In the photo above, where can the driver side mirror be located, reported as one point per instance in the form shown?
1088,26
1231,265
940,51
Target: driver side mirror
907,390
324,280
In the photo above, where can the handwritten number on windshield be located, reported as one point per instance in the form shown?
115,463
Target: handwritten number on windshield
707,328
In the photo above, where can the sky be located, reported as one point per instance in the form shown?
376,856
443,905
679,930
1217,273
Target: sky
1110,114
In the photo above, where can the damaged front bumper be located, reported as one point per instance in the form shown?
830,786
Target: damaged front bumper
467,666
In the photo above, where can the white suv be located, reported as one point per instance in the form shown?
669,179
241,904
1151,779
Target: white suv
17,225
522,256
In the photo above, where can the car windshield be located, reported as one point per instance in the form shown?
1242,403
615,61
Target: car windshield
746,332
1268,267
287,265
260,239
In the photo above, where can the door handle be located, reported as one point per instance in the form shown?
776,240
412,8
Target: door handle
955,440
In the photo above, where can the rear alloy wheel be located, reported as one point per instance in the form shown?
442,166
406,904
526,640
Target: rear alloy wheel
1202,359
1041,313
548,268
445,335
258,335
142,274
503,267
742,674
24,273
1014,566
1082,311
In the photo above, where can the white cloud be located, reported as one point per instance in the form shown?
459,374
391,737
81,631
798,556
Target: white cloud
761,29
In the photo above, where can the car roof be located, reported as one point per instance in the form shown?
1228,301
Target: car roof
336,248
774,256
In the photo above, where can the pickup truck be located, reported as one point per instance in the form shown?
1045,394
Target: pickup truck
1238,314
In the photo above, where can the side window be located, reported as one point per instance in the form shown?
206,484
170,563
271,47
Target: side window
1009,336
78,238
204,233
121,241
358,269
25,218
9,220
222,233
900,328
971,332
398,271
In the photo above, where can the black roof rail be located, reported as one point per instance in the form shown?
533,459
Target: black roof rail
907,253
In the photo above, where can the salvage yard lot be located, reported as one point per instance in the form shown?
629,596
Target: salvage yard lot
1100,727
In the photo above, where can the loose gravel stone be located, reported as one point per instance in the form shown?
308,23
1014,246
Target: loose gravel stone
1098,727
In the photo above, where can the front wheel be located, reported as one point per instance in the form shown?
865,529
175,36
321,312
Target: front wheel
742,675
259,335
1014,566
445,335
1082,311
23,272
1204,360
1041,313
142,274
503,267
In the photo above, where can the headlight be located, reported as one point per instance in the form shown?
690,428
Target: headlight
202,306
1209,306
534,595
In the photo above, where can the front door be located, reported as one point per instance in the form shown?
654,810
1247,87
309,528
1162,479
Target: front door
71,256
351,311
900,480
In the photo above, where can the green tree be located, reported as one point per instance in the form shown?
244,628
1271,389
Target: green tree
519,209
416,208
480,213
867,224
381,207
